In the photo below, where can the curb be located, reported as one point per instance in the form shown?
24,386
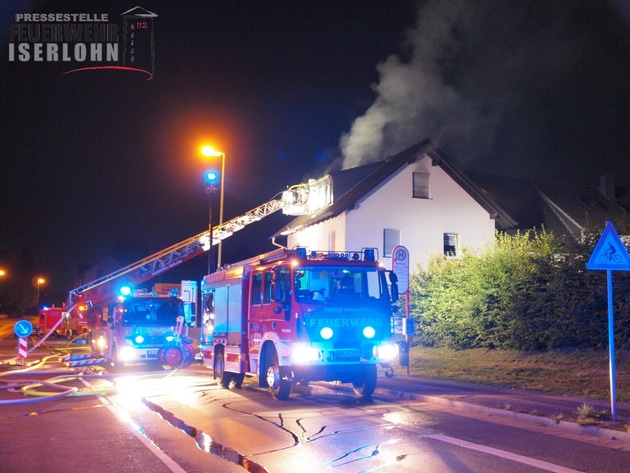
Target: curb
538,420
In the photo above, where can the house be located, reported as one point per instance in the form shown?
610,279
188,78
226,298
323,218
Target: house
416,198
566,210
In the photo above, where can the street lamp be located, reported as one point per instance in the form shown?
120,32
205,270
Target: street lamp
210,179
210,152
40,281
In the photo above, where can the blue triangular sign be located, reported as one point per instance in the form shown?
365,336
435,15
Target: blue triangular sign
610,252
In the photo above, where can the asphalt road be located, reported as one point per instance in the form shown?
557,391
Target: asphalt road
160,421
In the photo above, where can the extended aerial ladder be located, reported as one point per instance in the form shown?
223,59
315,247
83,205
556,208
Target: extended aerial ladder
300,199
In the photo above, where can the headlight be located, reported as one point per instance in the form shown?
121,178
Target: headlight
305,353
139,339
369,332
170,338
386,351
126,354
326,333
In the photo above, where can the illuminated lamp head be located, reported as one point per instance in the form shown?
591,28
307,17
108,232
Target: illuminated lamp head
326,333
211,177
125,291
369,332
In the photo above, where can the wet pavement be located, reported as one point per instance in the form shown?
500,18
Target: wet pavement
529,406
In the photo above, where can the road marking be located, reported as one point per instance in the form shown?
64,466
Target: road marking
123,416
503,454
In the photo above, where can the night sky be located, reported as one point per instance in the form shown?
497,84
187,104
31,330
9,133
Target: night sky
289,89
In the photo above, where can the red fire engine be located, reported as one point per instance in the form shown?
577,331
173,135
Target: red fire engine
49,321
144,327
294,315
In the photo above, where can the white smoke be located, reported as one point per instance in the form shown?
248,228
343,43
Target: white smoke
467,64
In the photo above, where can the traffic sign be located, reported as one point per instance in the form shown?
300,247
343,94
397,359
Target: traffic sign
23,328
609,253
400,266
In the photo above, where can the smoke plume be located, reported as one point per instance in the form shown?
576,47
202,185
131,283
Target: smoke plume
470,71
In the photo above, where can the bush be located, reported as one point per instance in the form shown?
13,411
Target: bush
529,291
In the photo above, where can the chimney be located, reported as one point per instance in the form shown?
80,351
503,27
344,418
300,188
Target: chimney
607,185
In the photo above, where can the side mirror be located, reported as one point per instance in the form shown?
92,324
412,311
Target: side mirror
394,292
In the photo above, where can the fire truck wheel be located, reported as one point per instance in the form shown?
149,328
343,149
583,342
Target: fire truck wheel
278,381
365,382
173,356
224,377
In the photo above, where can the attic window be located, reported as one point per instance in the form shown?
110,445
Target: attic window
421,189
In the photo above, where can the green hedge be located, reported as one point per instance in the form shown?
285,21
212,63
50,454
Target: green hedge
529,291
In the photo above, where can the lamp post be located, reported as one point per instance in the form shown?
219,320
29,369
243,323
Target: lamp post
210,152
210,178
40,281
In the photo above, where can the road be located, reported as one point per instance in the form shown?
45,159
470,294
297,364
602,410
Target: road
147,419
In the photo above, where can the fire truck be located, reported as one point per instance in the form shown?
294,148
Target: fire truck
298,316
49,321
144,327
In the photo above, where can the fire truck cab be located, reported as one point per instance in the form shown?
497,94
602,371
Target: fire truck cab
298,316
144,327
49,320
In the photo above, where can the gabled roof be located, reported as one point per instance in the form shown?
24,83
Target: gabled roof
351,185
581,209
566,210
517,196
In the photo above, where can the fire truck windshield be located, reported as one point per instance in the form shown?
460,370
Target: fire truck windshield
320,284
153,311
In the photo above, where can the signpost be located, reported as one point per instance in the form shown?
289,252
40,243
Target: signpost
23,329
610,255
400,266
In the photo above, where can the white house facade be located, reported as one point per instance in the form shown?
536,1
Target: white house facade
416,199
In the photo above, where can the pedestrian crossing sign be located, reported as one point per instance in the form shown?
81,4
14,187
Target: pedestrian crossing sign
609,253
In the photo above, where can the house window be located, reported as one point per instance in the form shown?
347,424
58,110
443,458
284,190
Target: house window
421,188
391,238
451,241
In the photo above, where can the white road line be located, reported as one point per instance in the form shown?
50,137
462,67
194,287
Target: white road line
122,415
503,454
